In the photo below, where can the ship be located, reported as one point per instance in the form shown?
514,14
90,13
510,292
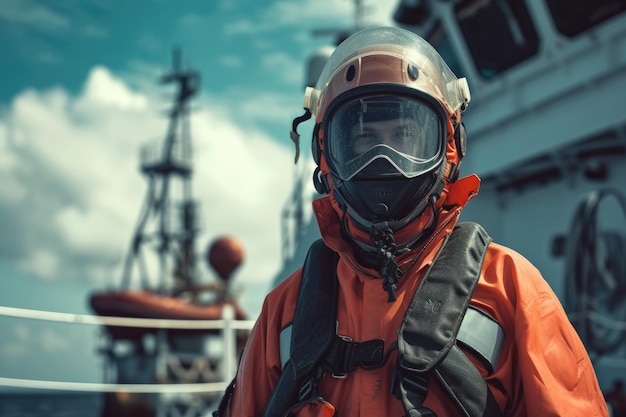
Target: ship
161,282
169,335
547,136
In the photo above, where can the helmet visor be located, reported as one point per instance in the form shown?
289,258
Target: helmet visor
405,131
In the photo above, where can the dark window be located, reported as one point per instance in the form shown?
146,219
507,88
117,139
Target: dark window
499,33
573,17
412,13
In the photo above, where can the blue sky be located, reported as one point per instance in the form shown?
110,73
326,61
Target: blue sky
79,96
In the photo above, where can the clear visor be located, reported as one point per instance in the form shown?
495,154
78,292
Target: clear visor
408,133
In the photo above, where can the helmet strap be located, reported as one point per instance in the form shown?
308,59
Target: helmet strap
294,135
320,182
460,139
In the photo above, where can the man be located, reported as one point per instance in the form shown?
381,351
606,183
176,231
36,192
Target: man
388,143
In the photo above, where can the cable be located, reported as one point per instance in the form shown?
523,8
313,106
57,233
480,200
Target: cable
595,275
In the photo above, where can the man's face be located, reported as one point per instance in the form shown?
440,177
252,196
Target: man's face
404,131
394,133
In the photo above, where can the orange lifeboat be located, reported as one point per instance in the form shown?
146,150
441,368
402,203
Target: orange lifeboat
148,305
225,255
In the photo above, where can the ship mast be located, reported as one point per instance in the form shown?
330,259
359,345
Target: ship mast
168,224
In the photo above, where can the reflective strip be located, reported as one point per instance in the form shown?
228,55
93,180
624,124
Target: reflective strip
483,335
285,345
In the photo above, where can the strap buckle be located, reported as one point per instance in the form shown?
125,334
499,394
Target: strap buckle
309,387
345,356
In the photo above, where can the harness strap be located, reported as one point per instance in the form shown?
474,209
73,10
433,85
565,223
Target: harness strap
346,355
310,336
343,356
411,389
311,339
427,337
436,311
465,386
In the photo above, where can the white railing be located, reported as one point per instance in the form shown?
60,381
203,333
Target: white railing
228,325
204,387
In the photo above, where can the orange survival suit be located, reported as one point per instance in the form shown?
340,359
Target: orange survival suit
543,369
388,144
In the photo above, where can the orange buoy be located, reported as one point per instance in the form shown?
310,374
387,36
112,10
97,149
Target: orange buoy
225,254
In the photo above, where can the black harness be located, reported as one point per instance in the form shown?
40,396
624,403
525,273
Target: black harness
438,320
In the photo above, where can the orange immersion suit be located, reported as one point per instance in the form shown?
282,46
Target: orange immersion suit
543,369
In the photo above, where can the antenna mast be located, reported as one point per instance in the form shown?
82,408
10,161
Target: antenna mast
167,222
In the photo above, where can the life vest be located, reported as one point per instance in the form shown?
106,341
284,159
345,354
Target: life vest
439,320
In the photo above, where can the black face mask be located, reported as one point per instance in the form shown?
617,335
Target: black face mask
380,193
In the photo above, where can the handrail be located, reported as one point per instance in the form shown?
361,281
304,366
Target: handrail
122,321
207,387
227,323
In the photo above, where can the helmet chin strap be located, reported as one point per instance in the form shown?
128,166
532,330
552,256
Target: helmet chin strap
385,250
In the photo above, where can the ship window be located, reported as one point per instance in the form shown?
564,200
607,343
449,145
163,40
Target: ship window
573,17
440,41
499,33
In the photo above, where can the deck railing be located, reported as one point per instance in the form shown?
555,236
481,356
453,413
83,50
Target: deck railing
227,324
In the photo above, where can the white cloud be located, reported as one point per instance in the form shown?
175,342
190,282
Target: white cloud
71,191
95,31
294,13
150,43
104,90
301,14
277,108
32,14
243,178
243,26
315,14
141,76
281,66
10,189
43,263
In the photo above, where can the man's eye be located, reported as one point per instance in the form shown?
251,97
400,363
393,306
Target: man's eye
364,137
399,135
